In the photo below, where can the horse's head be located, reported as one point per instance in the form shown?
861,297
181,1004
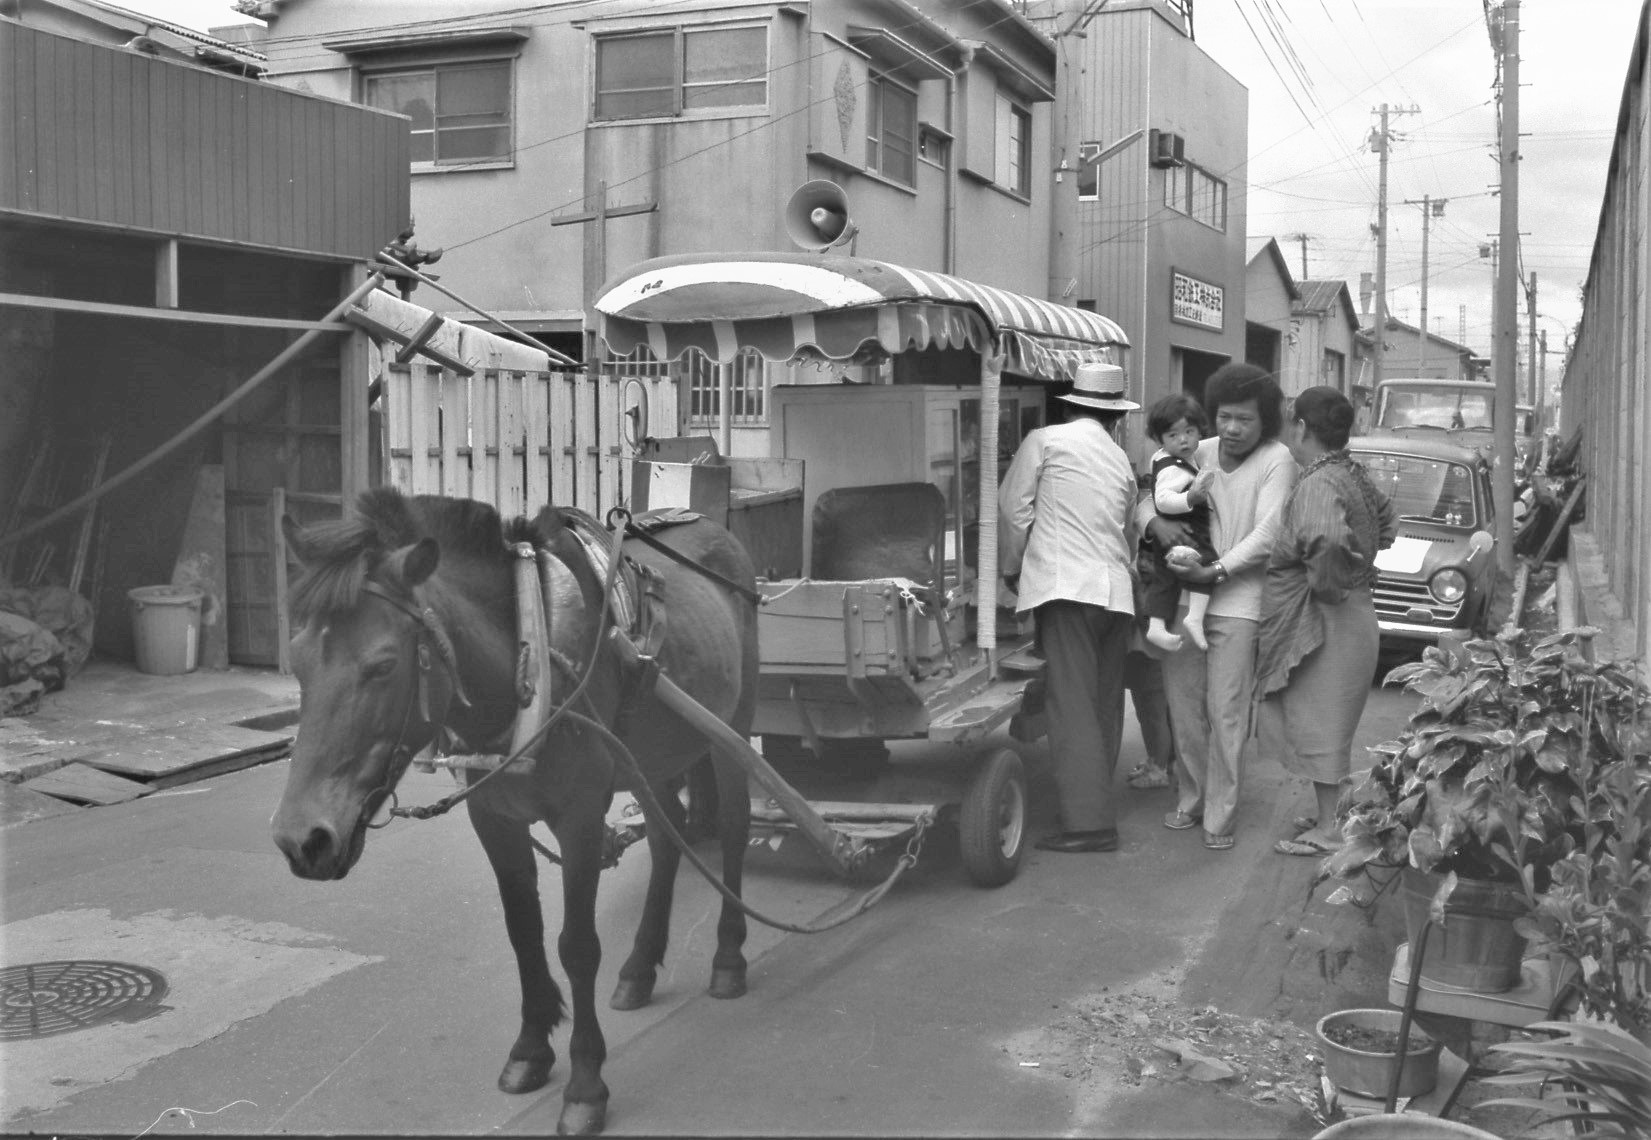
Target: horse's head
376,676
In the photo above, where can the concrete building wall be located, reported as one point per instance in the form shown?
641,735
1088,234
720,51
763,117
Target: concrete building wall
1607,387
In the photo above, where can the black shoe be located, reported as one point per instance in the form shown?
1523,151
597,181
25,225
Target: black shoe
1074,842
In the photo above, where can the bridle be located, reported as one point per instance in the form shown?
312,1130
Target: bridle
427,634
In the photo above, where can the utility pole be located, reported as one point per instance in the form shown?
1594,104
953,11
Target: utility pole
1430,209
1542,380
1379,140
1461,324
1504,348
1530,347
1302,238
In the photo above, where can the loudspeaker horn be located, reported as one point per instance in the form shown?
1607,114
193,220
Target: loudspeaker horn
817,217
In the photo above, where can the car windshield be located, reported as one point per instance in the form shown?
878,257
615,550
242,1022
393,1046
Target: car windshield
1451,409
1422,488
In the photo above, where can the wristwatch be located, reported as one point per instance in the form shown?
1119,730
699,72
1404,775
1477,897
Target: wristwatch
1221,574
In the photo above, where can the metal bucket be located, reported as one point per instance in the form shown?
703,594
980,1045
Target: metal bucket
1476,948
1369,1074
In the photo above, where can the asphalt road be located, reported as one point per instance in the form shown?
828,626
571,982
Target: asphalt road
385,1003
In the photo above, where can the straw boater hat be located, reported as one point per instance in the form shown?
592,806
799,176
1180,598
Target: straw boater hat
1101,386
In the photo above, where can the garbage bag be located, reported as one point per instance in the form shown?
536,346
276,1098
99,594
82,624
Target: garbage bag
67,615
31,663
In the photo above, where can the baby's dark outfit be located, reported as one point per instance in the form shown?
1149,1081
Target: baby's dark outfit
1171,477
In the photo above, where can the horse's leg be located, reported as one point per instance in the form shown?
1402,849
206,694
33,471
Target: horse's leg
579,832
637,975
734,829
509,851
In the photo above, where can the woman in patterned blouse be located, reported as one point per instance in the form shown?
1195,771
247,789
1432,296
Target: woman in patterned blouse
1316,650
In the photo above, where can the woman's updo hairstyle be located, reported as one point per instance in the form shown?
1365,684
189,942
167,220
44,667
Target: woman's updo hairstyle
1328,415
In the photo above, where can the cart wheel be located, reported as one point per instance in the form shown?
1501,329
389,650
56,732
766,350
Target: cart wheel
992,823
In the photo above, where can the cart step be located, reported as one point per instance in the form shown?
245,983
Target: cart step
766,811
1023,661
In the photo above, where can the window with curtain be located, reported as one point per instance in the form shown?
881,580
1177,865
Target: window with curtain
461,112
891,130
670,71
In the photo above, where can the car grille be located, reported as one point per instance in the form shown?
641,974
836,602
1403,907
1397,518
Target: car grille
1395,598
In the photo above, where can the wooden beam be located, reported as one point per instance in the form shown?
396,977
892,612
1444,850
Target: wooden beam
166,274
383,331
61,304
610,212
278,555
430,327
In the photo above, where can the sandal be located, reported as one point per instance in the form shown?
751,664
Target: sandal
1182,821
1219,842
1303,823
1307,847
1146,777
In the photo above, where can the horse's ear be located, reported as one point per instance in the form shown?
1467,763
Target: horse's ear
418,561
296,542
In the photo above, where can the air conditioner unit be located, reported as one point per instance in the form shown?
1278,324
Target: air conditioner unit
1167,148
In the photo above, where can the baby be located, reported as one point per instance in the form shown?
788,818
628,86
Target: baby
1180,492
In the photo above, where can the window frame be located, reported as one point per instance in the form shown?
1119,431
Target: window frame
1012,156
679,84
1188,187
432,65
877,82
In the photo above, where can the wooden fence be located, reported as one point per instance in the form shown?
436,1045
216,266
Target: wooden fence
516,439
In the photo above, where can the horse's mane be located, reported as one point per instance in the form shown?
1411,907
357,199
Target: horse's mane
340,554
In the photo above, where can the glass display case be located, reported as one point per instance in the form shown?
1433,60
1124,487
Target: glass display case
860,435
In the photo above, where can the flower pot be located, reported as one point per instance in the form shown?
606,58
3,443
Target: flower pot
1368,1072
1476,948
1403,1126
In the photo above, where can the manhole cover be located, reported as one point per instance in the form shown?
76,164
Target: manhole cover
43,998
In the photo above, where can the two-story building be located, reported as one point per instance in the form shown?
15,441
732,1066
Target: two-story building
1406,352
1153,152
555,144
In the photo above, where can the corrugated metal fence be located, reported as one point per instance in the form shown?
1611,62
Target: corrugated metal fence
1607,390
516,439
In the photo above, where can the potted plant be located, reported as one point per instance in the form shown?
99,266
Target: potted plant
1502,773
1605,1077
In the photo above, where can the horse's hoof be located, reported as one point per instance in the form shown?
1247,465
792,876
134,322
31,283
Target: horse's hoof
522,1076
728,983
632,993
582,1118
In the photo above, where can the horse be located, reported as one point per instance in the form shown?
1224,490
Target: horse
405,626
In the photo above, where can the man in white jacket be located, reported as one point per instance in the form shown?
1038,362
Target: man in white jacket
1065,511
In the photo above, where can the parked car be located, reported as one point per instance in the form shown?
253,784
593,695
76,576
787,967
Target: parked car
1440,572
1456,410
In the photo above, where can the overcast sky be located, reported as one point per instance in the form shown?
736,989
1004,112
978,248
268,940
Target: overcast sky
1311,168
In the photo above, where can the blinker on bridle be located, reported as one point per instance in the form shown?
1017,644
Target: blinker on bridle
429,632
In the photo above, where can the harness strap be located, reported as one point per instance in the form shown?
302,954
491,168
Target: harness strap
632,531
431,624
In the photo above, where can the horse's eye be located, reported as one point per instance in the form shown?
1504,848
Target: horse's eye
374,670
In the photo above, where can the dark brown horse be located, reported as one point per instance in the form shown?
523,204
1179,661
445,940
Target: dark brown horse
407,624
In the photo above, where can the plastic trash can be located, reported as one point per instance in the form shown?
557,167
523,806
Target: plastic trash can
166,626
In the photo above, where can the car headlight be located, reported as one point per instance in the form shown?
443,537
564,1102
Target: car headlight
1448,586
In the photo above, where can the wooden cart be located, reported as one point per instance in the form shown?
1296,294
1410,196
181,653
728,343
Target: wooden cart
887,630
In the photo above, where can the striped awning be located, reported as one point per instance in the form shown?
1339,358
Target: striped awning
795,306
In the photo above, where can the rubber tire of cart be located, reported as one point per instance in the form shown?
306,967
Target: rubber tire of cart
992,820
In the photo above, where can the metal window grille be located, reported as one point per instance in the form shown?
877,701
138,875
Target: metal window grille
747,390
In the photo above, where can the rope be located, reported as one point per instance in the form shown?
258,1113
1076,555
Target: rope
907,860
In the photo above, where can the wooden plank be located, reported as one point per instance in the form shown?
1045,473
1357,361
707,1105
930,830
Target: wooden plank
354,378
165,752
583,446
609,441
455,428
549,435
202,563
82,784
484,439
398,427
421,414
513,456
278,567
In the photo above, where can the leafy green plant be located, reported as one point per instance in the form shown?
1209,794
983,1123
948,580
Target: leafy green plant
1497,774
1608,1073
